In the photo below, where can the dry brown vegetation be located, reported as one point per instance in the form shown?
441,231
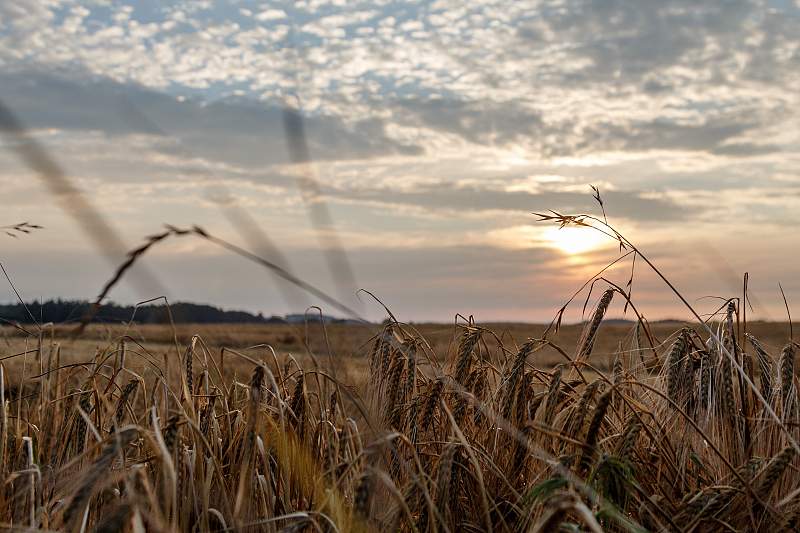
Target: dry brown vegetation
424,427
345,342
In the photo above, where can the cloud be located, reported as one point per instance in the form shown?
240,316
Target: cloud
477,122
471,199
485,123
557,79
271,14
242,132
712,135
625,42
428,123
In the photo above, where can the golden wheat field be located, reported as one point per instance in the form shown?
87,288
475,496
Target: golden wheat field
424,427
255,255
344,345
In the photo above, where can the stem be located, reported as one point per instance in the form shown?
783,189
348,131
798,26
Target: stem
580,220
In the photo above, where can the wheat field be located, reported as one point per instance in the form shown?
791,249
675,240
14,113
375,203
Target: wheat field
466,427
227,224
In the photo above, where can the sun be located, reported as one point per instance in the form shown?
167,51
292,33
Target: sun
575,240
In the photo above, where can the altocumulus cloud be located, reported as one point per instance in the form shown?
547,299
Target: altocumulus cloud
426,121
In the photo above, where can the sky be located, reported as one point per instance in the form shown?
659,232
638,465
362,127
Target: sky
434,130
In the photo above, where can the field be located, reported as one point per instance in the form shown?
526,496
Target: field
506,427
347,343
343,345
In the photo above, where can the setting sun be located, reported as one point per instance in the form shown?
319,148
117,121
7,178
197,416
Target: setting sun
575,240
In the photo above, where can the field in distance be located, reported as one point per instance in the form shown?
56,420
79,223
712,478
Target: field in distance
347,344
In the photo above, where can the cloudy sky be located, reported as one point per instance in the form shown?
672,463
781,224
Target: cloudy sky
434,130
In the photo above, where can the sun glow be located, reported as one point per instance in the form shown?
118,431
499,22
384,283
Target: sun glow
574,240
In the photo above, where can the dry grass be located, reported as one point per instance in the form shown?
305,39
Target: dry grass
430,427
347,343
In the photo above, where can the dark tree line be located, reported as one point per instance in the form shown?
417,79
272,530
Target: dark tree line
65,311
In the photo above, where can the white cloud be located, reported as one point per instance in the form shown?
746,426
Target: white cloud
444,122
271,14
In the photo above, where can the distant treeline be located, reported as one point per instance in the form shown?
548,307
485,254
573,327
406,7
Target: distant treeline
65,311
